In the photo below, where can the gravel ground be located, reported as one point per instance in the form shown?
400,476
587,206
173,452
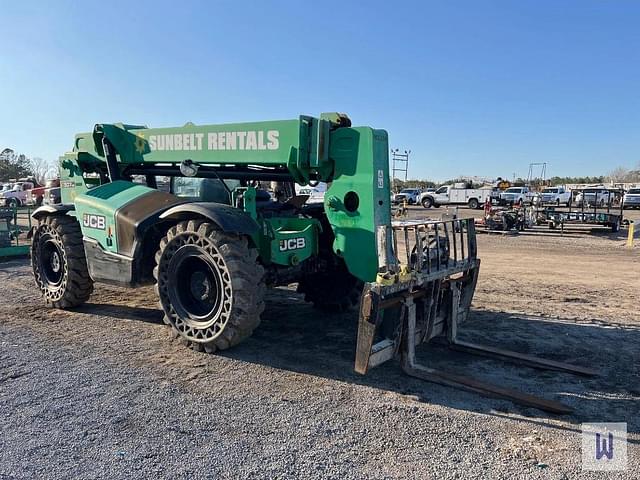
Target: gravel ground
101,392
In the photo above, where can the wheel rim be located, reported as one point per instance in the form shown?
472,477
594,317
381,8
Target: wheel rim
51,261
196,294
196,287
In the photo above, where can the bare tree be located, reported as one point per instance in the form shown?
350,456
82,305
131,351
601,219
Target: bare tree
41,169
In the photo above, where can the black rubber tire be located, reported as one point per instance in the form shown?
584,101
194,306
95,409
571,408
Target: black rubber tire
615,227
13,203
473,203
75,286
241,277
427,202
335,290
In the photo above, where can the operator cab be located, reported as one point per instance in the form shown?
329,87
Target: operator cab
220,191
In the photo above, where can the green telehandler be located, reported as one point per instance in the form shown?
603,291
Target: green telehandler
209,215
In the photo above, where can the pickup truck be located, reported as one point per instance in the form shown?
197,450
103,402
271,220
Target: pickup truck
594,196
453,195
409,194
36,195
553,196
631,199
52,196
516,195
17,195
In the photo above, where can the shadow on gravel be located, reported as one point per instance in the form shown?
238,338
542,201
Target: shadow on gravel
123,312
311,343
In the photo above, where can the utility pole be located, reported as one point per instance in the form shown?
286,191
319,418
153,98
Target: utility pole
399,163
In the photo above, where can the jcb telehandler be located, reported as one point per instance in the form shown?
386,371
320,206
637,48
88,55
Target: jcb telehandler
208,214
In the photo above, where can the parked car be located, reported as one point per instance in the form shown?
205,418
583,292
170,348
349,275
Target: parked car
599,196
553,196
17,195
516,195
456,194
631,199
408,194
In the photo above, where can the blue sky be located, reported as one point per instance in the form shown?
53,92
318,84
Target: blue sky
471,87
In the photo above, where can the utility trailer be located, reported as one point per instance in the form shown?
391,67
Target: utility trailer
11,219
602,212
215,241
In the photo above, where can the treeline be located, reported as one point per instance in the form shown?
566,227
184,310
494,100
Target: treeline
14,165
569,180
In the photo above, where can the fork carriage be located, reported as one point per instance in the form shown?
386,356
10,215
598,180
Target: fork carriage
428,272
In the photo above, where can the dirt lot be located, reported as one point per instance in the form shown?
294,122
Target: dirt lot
101,392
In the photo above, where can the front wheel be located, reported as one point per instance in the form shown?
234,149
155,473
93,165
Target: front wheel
427,202
58,262
210,285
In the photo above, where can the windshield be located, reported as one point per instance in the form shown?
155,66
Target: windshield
513,190
634,191
204,189
186,186
550,190
408,190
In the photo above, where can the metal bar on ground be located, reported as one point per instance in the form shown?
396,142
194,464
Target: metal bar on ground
524,359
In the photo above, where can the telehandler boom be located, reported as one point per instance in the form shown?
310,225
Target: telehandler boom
209,215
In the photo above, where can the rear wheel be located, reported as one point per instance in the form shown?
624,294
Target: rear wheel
58,262
210,285
473,203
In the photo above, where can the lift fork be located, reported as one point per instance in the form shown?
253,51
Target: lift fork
442,294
